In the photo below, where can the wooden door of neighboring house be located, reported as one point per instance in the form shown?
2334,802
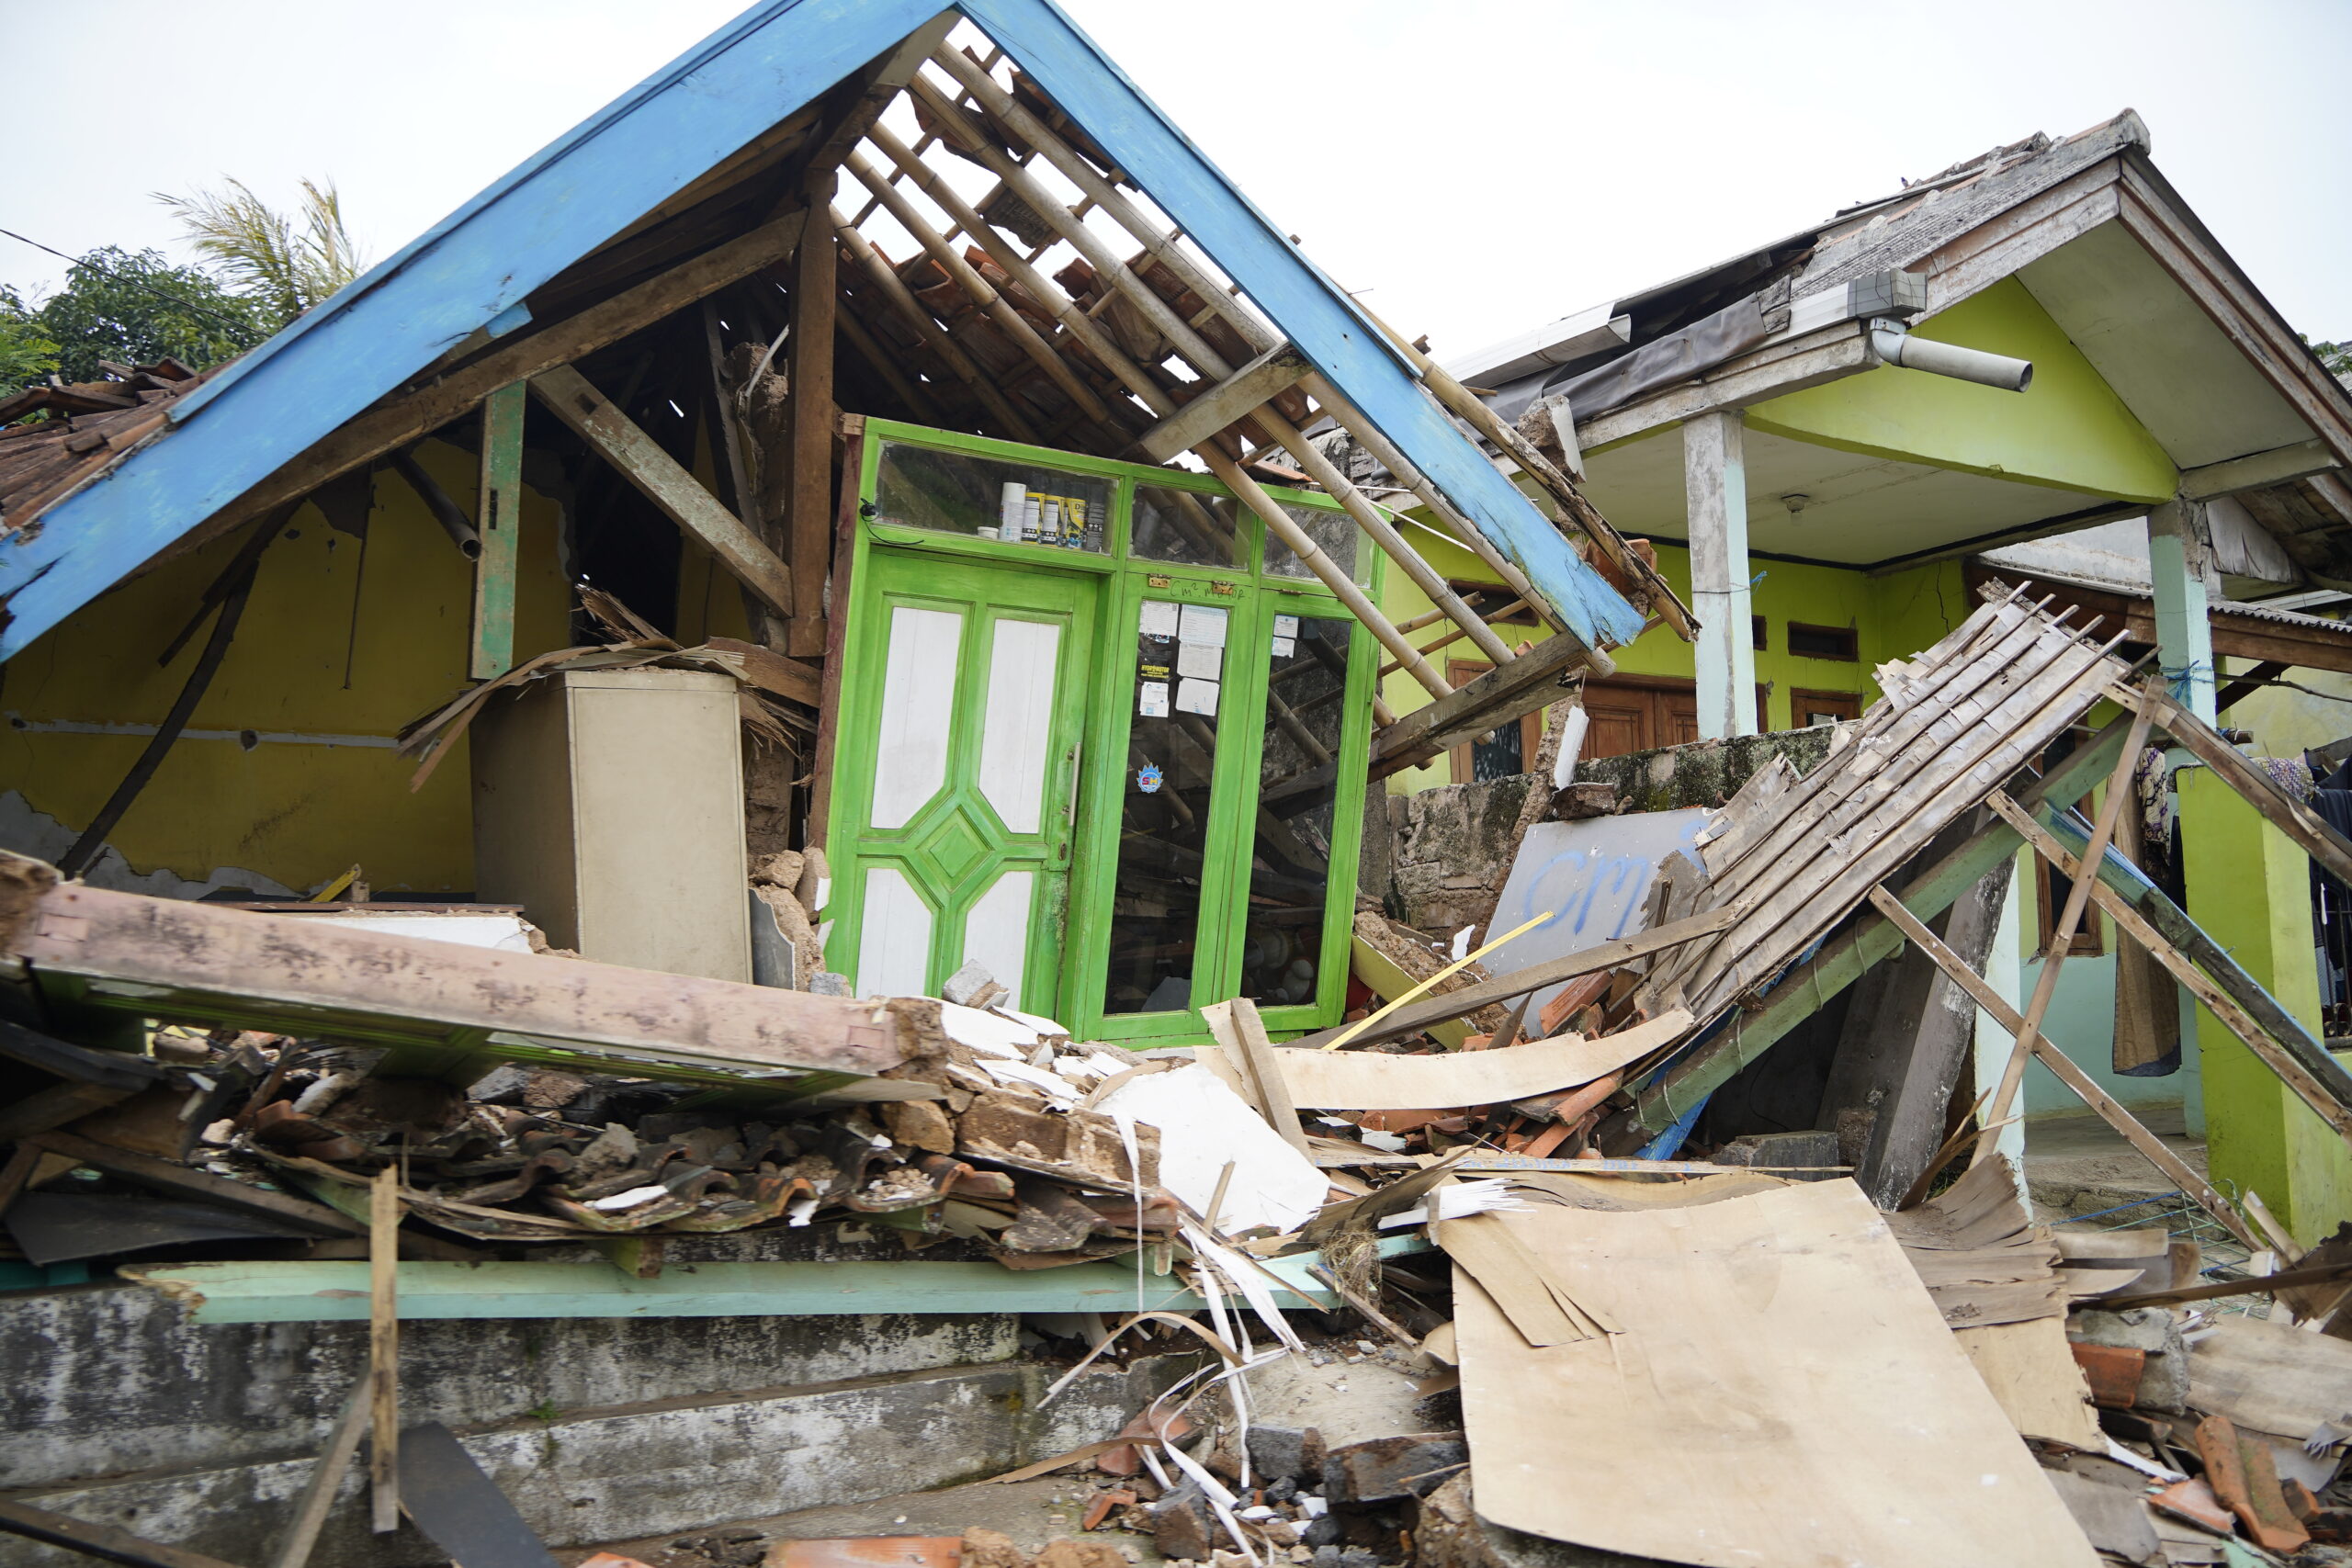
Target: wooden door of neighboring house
1808,708
1510,749
1641,712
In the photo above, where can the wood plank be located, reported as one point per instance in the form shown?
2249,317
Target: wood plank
2032,1374
1789,365
2255,470
125,952
421,409
102,1542
2245,685
1843,959
498,525
1237,1027
813,415
1795,1301
2087,1089
1372,1080
1438,1010
1503,693
660,479
384,1350
1277,369
337,1291
326,1478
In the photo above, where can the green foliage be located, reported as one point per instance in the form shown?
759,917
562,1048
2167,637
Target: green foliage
27,353
283,262
131,309
2337,356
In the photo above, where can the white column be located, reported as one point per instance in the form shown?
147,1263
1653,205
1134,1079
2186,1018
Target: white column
1714,477
2181,562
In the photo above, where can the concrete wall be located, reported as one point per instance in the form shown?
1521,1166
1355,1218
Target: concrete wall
202,1435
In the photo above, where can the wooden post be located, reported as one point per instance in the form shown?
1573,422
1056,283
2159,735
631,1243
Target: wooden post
497,523
384,1348
1714,477
813,417
2119,790
2175,1168
1237,1027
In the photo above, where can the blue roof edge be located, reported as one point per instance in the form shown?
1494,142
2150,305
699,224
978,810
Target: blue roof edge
562,202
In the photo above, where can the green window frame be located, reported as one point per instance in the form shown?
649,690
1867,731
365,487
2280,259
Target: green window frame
1253,596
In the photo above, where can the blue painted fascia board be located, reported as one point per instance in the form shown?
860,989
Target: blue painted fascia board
557,207
589,184
1313,311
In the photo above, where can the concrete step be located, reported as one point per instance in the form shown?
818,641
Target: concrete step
651,1467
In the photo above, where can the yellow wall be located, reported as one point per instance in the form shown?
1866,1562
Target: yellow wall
296,812
1893,617
2068,430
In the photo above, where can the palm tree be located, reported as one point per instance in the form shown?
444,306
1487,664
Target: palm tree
285,262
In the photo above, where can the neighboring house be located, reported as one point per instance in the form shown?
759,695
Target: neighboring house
1827,510
712,364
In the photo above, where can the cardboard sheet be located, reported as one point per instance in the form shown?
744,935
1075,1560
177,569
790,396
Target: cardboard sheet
1375,1080
1784,1395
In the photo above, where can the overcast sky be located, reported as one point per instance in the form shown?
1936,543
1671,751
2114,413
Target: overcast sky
1478,167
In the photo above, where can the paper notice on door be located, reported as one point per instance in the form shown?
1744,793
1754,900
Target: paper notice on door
1151,699
1284,647
1159,618
1203,623
1196,696
1286,626
1199,660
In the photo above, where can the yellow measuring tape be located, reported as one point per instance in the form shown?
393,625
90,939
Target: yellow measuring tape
1458,965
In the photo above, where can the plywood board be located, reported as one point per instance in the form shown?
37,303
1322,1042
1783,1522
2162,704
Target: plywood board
1592,877
1784,1395
1375,1080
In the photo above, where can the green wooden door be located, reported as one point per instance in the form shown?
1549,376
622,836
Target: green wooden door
953,825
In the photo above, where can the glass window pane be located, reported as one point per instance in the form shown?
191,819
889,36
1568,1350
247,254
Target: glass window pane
1336,532
1186,527
1170,769
1290,864
955,492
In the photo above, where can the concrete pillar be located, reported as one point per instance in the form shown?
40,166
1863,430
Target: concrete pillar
2005,972
2249,886
2181,563
1714,478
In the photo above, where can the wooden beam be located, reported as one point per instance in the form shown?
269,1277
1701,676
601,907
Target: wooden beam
2175,1169
499,526
337,1291
813,416
2255,470
187,1181
1237,1027
93,948
2244,686
657,475
2291,817
1780,365
2079,897
1277,370
326,1478
421,409
893,288
2227,992
1502,693
103,1541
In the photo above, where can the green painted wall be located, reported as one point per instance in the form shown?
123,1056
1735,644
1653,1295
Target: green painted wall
299,813
2249,887
2068,430
1892,617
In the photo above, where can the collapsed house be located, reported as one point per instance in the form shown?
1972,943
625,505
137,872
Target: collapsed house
747,798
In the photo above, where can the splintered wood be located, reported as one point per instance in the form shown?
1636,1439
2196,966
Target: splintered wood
1797,855
1784,1395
